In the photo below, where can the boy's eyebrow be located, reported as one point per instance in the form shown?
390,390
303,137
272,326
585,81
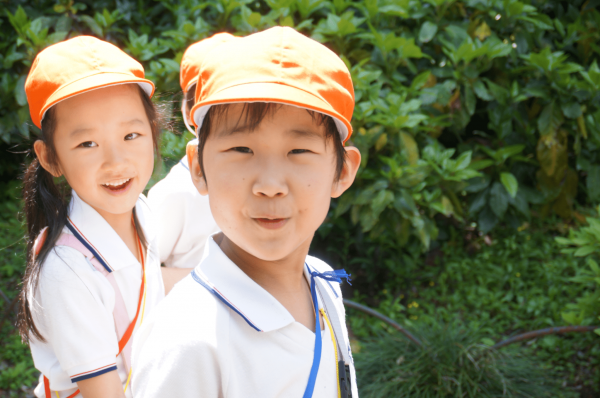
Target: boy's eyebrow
308,133
239,129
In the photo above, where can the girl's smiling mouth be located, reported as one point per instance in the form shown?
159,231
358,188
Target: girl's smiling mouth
117,187
271,223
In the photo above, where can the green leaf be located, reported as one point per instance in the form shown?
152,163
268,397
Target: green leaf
92,24
408,49
510,183
463,161
20,95
487,220
572,110
593,183
585,250
550,119
498,199
420,80
470,100
479,202
427,32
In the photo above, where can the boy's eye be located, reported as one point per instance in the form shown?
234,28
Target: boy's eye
131,136
88,144
298,151
242,149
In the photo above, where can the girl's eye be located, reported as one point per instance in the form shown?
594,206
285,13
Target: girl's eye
131,136
298,151
242,149
88,144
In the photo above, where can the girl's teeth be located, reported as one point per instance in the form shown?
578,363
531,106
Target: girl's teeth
117,183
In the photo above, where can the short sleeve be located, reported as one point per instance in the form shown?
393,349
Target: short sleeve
73,311
173,355
183,219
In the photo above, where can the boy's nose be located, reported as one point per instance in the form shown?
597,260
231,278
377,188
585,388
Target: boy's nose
270,182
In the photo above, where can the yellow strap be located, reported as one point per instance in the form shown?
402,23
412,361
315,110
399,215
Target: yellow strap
337,371
58,396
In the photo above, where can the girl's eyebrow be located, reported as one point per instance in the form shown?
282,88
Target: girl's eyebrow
133,121
81,130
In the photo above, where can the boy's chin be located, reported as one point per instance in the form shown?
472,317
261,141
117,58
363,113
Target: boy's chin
273,250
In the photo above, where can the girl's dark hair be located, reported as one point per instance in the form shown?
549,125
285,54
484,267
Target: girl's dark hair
46,205
253,114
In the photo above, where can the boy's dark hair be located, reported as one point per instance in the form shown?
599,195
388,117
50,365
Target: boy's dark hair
253,114
46,205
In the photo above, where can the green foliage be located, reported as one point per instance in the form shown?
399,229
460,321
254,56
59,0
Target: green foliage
455,361
458,103
16,365
585,242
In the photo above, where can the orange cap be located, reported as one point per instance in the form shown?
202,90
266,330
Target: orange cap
76,66
277,65
194,55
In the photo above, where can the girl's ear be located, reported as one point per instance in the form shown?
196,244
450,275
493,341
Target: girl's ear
41,150
348,172
195,169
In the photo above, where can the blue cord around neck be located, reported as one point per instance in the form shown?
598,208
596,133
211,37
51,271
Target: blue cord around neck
332,276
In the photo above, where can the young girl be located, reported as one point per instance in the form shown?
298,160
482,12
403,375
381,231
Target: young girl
92,272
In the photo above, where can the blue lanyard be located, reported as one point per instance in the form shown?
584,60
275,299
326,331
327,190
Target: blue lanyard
333,276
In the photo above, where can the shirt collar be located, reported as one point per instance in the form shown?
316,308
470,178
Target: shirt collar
238,291
101,235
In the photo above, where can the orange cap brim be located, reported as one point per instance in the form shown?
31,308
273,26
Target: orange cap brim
94,82
271,92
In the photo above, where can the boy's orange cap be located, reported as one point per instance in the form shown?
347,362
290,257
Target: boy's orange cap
277,65
194,55
75,66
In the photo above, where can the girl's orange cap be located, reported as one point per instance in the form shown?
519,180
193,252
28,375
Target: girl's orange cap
276,65
76,66
194,55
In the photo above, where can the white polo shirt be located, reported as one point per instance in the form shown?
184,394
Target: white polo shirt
183,218
195,345
73,304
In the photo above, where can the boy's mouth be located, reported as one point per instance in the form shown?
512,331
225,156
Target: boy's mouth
117,186
271,223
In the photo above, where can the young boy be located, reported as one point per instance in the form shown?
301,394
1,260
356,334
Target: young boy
183,215
258,317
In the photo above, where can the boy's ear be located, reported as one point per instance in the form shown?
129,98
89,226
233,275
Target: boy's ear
348,172
198,179
41,151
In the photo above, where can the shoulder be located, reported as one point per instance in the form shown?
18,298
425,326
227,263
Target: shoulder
178,350
188,316
65,265
322,266
178,182
317,264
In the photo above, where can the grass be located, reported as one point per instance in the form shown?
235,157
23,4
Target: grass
454,361
517,283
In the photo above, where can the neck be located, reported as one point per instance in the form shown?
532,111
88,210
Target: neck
122,225
283,279
286,274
